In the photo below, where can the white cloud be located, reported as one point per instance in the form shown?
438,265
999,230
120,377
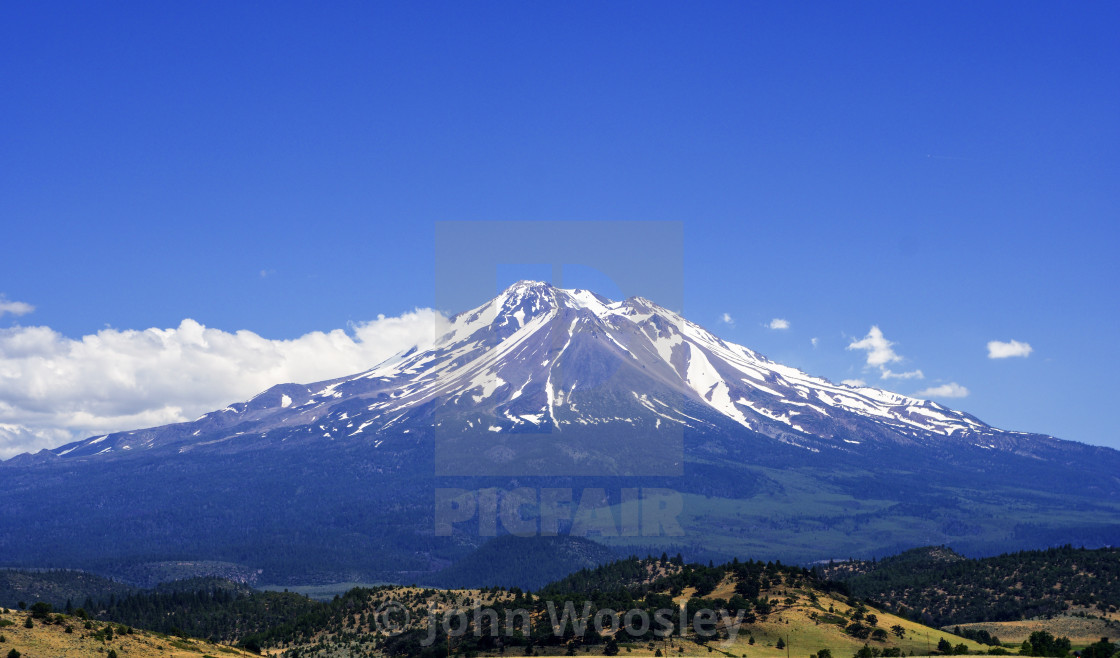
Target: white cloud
15,308
1001,350
55,389
950,390
853,382
814,341
878,348
727,319
880,352
887,373
778,323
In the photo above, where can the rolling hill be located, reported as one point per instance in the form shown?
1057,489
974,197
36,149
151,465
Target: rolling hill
941,587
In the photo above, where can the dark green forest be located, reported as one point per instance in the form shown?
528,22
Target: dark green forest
216,611
56,587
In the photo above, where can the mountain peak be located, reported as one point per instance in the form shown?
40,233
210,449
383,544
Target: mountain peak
529,284
536,344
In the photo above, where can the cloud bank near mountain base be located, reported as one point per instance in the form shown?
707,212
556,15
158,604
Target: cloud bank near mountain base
55,389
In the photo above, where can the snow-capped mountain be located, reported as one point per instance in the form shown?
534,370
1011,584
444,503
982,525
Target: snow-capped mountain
542,359
546,389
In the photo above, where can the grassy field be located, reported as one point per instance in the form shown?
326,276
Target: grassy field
52,640
1081,631
807,626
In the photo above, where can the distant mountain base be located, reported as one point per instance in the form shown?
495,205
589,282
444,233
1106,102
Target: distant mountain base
525,562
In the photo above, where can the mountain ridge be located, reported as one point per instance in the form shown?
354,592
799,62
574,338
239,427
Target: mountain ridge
501,357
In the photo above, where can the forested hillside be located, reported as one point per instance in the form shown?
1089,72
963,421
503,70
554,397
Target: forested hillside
888,604
772,602
211,609
939,587
57,587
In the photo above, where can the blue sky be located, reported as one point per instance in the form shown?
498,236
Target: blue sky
947,172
